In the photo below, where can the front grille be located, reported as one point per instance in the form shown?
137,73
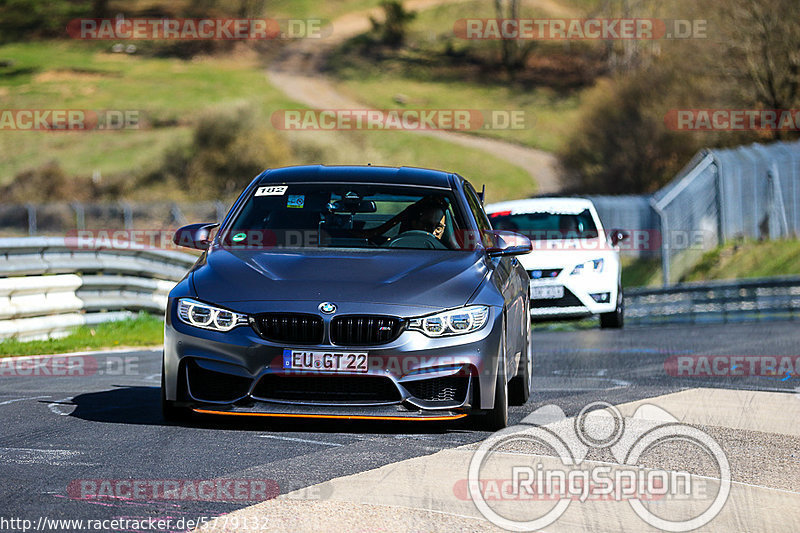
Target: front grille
446,389
568,300
316,388
294,328
210,386
544,273
363,330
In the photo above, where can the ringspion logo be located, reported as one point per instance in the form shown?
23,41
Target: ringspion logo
526,484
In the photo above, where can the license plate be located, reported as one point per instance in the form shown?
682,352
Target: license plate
548,292
325,361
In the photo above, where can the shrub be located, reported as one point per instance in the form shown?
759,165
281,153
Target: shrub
228,149
392,31
622,145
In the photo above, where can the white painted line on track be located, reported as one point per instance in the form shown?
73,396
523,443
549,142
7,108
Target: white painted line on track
23,399
54,406
89,352
37,456
293,439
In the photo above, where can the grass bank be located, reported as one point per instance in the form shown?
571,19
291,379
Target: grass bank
437,70
735,260
143,330
170,95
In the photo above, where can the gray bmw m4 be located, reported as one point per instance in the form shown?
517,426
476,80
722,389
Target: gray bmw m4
350,292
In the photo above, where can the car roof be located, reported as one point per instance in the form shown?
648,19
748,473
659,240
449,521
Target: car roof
357,174
569,206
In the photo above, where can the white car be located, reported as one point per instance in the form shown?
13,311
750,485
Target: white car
574,266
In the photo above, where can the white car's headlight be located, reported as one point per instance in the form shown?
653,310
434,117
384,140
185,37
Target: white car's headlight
201,315
455,322
595,266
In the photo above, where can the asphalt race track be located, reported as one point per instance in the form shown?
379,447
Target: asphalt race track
107,425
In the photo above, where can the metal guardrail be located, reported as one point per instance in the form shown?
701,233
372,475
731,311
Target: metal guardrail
743,300
48,286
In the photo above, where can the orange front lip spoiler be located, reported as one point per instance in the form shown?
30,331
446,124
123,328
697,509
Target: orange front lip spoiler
334,417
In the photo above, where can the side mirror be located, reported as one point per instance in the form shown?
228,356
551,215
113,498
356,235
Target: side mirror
507,243
617,236
194,236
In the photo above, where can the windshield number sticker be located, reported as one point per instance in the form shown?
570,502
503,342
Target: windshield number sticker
273,190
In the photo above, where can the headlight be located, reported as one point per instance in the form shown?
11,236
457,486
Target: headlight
206,316
455,322
594,266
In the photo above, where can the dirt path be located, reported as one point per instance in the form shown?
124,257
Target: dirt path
297,72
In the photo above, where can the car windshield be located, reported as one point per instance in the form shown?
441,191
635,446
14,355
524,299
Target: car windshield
545,225
347,216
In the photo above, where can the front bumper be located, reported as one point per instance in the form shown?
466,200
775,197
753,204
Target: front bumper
578,300
413,377
333,413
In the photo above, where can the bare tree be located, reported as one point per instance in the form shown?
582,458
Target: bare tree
513,52
763,50
629,55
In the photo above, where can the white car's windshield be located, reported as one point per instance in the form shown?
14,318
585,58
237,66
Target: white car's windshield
546,225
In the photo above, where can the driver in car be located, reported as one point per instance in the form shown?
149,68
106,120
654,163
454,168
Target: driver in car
428,215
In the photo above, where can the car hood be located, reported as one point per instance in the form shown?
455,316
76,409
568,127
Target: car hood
440,280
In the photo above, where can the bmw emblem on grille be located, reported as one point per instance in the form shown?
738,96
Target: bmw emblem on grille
327,307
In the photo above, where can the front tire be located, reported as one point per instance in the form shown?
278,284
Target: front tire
519,389
497,418
169,411
616,318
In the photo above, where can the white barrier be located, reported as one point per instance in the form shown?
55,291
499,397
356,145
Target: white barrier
48,287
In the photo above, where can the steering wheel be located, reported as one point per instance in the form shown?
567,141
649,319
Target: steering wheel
416,238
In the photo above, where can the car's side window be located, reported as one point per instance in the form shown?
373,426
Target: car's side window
477,211
475,207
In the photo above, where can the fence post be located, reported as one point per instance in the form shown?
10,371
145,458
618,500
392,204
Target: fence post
127,215
662,222
31,219
777,188
220,207
80,215
718,191
795,197
176,214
